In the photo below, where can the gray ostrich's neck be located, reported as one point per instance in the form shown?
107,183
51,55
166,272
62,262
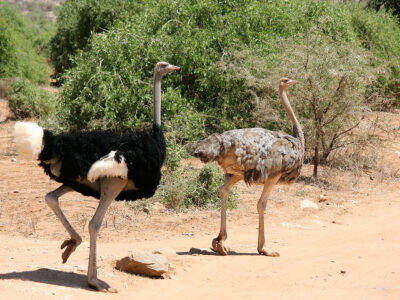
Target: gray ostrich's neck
157,99
297,131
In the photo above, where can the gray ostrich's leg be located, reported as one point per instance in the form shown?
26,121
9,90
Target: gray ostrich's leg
52,202
110,188
217,243
261,205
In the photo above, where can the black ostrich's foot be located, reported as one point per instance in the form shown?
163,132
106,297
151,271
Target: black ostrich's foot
101,286
71,245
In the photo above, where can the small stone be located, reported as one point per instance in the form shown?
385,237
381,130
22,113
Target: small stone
157,207
342,272
81,268
143,263
15,191
318,222
13,159
308,204
323,198
188,233
53,292
146,210
202,251
301,226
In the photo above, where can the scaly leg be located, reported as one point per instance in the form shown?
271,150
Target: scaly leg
261,205
110,188
52,202
217,243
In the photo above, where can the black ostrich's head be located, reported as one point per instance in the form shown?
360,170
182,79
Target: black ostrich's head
163,68
286,82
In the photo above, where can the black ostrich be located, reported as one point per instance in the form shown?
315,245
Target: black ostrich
101,164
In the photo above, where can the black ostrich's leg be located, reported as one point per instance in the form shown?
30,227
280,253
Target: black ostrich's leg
110,188
52,202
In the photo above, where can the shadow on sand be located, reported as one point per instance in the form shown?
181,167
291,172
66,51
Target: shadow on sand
210,252
55,277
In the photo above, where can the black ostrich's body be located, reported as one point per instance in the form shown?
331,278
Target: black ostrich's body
101,164
77,152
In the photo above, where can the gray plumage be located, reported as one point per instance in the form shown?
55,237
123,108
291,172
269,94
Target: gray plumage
259,153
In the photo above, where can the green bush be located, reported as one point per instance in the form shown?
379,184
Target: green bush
379,32
78,19
27,100
186,188
17,54
113,76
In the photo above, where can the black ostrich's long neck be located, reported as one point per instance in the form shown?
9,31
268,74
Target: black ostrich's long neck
297,131
157,99
157,130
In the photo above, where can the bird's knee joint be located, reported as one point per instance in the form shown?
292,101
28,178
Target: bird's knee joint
51,199
78,240
261,207
94,227
223,192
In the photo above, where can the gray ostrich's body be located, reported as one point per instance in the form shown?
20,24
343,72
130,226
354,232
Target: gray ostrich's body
257,156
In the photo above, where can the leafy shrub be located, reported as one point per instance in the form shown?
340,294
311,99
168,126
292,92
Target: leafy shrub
329,100
113,76
379,32
185,188
26,100
77,20
392,5
17,55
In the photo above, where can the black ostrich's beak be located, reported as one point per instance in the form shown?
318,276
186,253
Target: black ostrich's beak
172,68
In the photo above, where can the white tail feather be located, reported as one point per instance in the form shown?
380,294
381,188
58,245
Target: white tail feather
29,139
107,166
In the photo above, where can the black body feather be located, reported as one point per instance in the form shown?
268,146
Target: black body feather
143,154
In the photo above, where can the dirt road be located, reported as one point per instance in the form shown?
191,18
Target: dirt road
348,248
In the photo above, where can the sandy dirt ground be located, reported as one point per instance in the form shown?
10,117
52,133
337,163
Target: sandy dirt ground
348,248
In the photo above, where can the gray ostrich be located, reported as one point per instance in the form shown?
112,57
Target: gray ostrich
257,156
101,164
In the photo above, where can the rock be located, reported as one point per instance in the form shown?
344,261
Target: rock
308,204
143,263
13,159
81,268
146,210
203,251
157,207
301,226
318,222
342,272
16,191
323,198
188,233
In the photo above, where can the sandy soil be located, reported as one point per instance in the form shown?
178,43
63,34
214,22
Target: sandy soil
348,248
